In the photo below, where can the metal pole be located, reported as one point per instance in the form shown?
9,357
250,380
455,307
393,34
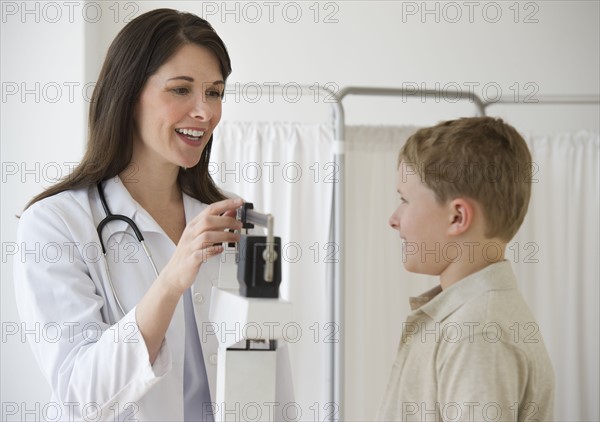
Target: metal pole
395,92
551,100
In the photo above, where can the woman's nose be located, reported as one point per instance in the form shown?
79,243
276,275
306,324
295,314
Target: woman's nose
202,109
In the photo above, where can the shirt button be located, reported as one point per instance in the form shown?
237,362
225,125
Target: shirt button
198,298
214,281
213,359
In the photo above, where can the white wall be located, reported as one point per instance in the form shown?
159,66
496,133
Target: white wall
42,135
395,44
369,43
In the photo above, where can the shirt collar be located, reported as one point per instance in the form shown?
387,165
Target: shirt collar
438,303
192,207
120,202
118,198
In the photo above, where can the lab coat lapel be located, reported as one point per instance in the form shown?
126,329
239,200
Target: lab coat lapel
201,290
192,208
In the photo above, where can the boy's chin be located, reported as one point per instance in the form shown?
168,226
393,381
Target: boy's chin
424,268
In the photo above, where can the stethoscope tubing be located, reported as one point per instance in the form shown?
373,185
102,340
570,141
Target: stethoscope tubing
138,234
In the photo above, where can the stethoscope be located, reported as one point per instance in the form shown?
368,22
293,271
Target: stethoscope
138,234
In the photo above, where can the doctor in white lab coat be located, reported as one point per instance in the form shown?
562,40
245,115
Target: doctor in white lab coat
152,115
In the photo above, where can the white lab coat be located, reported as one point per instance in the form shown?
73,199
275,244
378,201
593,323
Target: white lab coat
93,356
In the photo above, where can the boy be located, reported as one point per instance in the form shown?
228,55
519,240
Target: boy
470,350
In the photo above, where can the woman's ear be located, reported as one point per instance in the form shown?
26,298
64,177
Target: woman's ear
461,215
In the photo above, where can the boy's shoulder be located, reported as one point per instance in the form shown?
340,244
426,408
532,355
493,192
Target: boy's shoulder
489,304
493,311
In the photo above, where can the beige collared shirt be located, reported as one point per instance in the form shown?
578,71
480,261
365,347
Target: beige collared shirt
472,352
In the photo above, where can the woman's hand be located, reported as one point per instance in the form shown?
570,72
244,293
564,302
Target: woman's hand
201,239
197,243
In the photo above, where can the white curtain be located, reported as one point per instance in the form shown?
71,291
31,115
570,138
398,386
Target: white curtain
555,256
286,169
376,286
556,260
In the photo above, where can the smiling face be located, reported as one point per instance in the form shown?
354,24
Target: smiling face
178,109
422,223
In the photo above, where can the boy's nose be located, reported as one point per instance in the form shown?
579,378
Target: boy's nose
393,222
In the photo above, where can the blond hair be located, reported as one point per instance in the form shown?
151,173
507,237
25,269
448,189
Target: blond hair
481,158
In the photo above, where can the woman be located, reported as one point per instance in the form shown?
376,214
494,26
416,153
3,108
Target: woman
133,341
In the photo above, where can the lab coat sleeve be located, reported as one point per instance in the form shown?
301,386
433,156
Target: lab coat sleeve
89,362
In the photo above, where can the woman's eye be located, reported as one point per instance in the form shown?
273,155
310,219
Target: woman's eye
180,91
214,94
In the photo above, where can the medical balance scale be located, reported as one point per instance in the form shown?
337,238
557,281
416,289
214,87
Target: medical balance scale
245,305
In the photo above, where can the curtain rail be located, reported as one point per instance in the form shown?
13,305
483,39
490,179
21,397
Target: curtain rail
396,92
551,100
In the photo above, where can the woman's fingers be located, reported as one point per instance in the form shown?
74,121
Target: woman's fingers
211,238
222,223
202,239
221,207
230,213
211,224
217,216
204,254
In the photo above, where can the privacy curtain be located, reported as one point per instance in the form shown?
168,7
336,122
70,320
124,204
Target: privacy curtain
286,169
555,256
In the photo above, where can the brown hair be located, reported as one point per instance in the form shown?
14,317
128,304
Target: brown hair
481,158
137,52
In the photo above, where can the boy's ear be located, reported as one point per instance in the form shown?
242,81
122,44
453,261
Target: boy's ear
461,216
